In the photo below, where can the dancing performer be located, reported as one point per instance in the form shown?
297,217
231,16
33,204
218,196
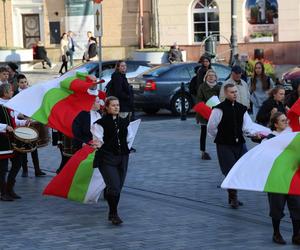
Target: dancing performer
227,123
110,136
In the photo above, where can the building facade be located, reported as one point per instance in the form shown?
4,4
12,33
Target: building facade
271,25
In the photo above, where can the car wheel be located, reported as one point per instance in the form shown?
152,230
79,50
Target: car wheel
176,104
151,111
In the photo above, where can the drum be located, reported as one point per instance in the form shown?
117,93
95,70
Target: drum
68,149
44,135
25,139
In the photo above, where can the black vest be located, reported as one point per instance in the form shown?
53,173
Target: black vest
114,135
5,143
81,128
230,127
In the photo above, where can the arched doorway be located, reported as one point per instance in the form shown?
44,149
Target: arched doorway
205,19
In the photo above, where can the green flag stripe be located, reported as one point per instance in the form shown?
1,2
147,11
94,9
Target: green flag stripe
81,180
51,98
284,168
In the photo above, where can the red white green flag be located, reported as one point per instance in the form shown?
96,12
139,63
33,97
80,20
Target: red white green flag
56,103
272,166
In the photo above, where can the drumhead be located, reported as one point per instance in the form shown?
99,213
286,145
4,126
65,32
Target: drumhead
26,133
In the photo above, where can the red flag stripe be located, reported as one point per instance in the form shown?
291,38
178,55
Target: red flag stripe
295,184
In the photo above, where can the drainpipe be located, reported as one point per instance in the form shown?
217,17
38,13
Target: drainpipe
141,17
4,16
233,38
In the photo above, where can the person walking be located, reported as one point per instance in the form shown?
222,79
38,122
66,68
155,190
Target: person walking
243,94
279,125
110,137
174,54
206,90
64,43
272,105
227,123
71,48
260,84
41,53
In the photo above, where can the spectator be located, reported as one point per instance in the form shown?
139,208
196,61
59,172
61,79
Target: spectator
206,90
71,48
260,84
41,53
85,55
13,75
92,50
120,88
63,53
272,105
243,94
292,97
4,75
174,54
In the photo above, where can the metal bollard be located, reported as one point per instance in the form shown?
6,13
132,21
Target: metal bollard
182,97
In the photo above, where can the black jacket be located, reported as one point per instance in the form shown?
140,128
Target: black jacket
81,129
92,50
264,113
122,90
41,52
5,142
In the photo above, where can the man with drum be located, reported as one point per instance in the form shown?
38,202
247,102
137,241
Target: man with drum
8,123
23,84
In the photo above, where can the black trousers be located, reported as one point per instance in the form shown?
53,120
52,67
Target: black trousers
228,155
277,203
203,135
16,165
113,169
35,160
64,65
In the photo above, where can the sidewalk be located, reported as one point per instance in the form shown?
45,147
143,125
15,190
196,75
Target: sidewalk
170,201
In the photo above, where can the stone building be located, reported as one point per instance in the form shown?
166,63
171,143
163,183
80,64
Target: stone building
271,25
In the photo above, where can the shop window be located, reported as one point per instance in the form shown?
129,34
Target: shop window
205,19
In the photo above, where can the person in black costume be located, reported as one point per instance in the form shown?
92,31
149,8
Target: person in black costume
110,137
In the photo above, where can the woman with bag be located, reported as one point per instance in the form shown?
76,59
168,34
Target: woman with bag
64,47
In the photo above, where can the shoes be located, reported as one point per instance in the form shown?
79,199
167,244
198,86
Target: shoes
39,174
6,197
277,238
13,195
115,219
24,174
132,150
296,239
205,156
44,67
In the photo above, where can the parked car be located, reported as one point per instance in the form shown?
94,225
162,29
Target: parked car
160,86
291,79
134,68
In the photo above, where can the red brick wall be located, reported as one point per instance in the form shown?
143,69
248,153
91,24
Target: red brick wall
277,52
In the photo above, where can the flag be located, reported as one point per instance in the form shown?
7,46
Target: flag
56,103
293,115
202,109
272,166
78,180
213,101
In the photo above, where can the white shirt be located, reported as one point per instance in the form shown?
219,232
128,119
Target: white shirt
249,127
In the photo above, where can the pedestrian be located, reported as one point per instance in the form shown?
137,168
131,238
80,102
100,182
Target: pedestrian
71,48
13,75
206,90
193,87
63,53
41,53
174,54
243,94
260,84
272,105
110,136
4,75
8,123
92,54
22,85
120,88
227,123
85,54
279,125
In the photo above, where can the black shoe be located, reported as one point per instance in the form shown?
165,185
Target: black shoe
296,239
40,173
115,219
24,174
6,197
44,67
13,195
205,156
277,238
132,150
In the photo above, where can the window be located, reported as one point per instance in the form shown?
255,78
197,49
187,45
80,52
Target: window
205,19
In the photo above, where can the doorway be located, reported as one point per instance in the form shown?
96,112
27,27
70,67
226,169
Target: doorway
31,30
